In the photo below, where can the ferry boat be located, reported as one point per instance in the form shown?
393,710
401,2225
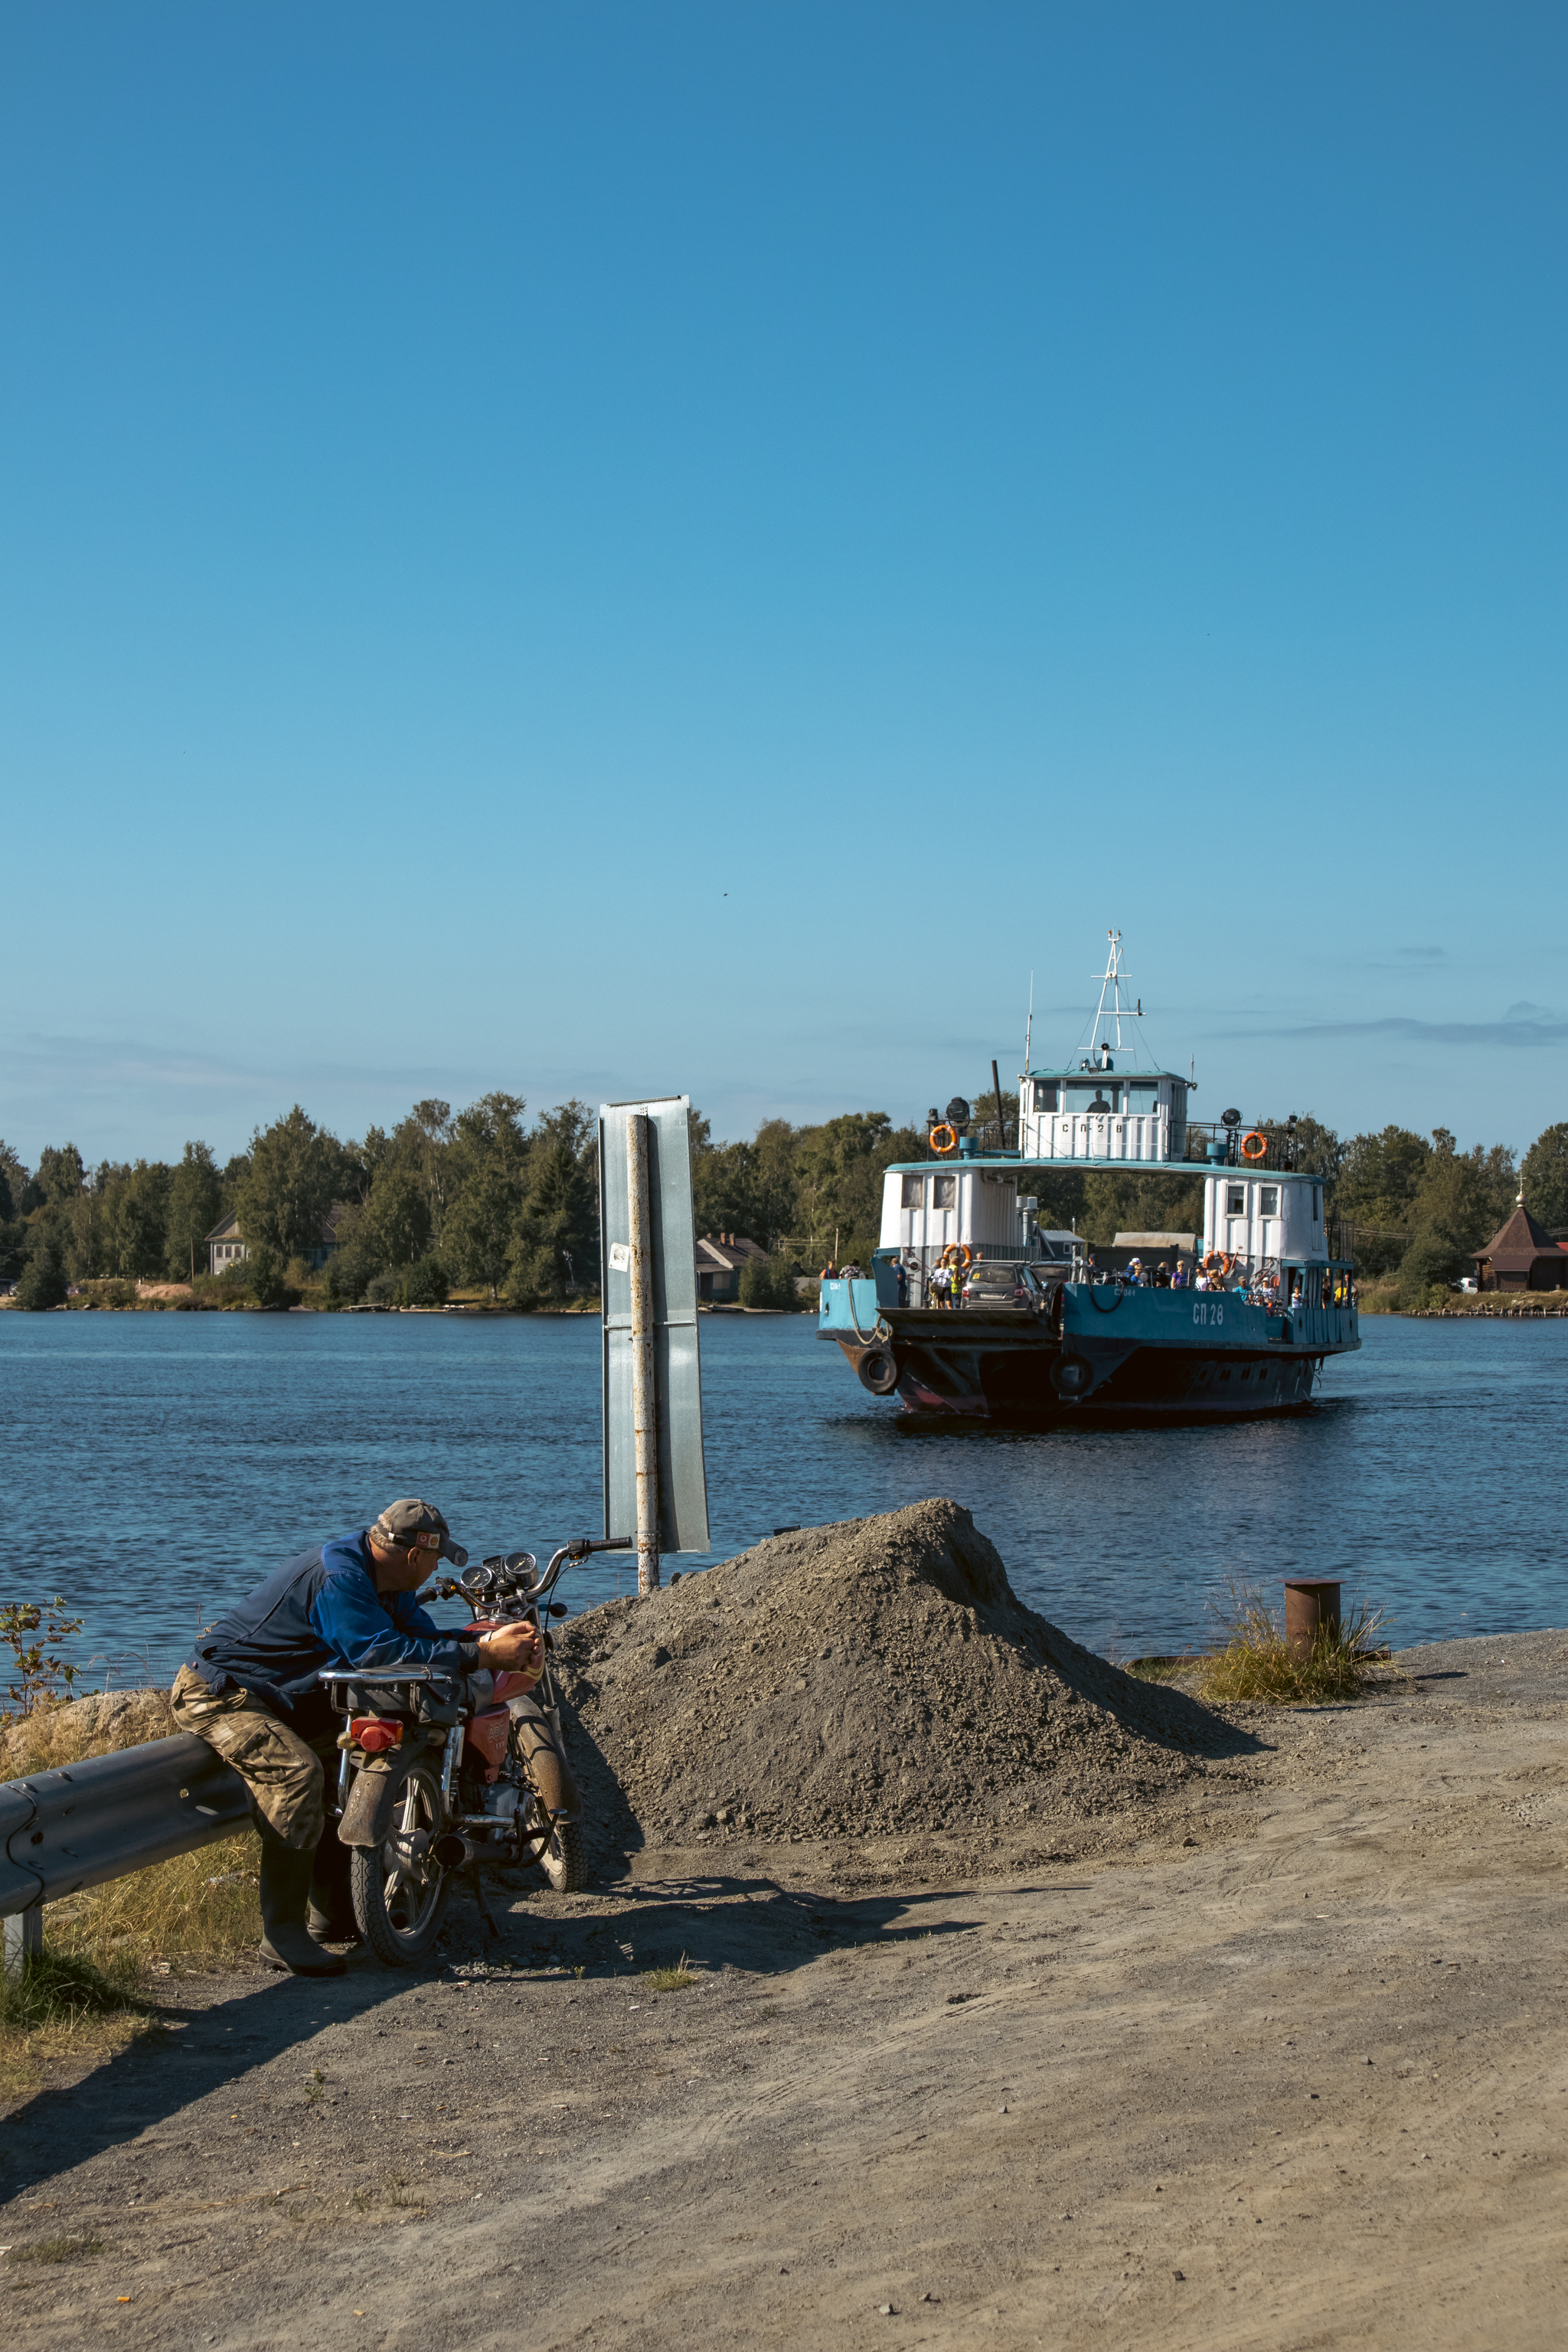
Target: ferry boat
973,1308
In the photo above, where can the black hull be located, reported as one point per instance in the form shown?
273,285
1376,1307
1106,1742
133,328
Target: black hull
978,1369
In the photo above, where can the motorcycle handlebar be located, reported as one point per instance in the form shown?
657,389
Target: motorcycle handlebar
451,1588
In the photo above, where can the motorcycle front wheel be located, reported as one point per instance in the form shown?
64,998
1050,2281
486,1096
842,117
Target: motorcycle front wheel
400,1890
565,1859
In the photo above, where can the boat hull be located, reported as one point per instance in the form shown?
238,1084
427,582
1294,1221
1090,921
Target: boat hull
1108,1355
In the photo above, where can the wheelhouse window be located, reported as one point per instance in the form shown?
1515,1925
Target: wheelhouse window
914,1192
1317,1204
1268,1200
1045,1094
1235,1201
945,1191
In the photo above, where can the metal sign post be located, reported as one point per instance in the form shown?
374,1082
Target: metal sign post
655,1478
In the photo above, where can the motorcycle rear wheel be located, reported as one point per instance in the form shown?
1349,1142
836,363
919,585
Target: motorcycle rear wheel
565,1859
400,1890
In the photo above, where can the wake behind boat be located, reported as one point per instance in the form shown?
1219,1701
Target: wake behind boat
973,1307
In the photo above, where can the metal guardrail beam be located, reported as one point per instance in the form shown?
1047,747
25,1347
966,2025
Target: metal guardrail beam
83,1823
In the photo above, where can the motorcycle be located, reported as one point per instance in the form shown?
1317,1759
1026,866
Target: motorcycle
440,1771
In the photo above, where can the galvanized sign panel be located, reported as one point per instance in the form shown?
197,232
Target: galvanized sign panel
677,1372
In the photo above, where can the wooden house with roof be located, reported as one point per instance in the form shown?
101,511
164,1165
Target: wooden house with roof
722,1259
225,1246
1522,1256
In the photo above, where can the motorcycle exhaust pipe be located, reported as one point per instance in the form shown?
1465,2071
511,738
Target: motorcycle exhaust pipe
452,1851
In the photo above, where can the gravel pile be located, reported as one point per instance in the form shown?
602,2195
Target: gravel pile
866,1678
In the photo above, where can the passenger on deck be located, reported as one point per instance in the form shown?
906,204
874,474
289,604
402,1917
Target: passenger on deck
1161,1276
1179,1280
1135,1273
1201,1280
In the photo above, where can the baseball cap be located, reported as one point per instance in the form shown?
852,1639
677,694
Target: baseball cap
413,1526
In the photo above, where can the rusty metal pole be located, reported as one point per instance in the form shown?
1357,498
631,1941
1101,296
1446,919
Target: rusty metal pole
645,1387
1311,1604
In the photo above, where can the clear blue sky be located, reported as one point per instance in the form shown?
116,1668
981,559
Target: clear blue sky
609,549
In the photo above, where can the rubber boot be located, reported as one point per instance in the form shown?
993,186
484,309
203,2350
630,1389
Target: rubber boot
285,1887
331,1915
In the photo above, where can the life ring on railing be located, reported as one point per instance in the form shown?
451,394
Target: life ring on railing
943,1126
1213,1262
1262,1141
959,1255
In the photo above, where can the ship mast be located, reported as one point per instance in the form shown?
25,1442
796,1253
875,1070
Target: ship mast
1111,978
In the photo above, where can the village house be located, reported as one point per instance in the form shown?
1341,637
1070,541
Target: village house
722,1259
1522,1256
224,1245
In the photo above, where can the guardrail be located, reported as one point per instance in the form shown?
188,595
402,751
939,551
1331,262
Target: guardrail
81,1824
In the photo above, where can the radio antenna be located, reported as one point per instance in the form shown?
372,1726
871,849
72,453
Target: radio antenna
1029,1025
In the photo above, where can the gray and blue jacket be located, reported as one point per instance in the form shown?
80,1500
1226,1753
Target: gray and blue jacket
322,1609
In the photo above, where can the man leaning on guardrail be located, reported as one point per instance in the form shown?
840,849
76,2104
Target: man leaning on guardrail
251,1690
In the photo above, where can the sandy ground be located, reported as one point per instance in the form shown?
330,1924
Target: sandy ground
1289,2069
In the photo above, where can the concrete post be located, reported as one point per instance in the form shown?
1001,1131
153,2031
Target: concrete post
24,1939
645,1389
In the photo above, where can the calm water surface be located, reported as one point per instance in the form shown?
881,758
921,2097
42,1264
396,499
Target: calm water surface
154,1466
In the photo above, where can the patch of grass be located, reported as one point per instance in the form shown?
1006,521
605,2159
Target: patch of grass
63,2007
55,1989
1159,1670
56,2250
1255,1663
679,1978
196,1910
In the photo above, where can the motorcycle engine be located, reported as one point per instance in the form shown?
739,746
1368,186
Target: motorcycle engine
500,1800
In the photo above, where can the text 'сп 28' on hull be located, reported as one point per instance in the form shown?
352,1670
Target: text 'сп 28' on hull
974,1307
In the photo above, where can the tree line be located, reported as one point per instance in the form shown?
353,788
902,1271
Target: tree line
480,1199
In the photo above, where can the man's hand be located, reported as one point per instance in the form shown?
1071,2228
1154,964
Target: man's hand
517,1646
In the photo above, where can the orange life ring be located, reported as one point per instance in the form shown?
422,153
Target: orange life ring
1262,1141
943,1126
1213,1262
959,1255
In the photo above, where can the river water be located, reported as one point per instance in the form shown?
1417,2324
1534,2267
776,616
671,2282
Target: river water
152,1466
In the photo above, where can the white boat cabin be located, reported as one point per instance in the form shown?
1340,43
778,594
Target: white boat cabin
1254,1216
1099,1112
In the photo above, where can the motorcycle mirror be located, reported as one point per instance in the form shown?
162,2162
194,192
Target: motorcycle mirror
559,1609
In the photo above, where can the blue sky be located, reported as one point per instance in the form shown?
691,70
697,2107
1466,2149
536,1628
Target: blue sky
624,550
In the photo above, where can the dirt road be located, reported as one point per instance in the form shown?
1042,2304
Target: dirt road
1302,2081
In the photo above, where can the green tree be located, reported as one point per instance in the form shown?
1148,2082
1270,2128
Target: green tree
42,1281
1380,1177
12,1181
264,1273
1461,1201
297,1171
194,1205
555,1251
424,1284
133,1220
724,1192
839,1167
489,1157
393,1229
423,1142
1544,1177
59,1177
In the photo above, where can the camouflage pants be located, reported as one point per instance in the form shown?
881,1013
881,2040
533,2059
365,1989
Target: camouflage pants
283,1774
